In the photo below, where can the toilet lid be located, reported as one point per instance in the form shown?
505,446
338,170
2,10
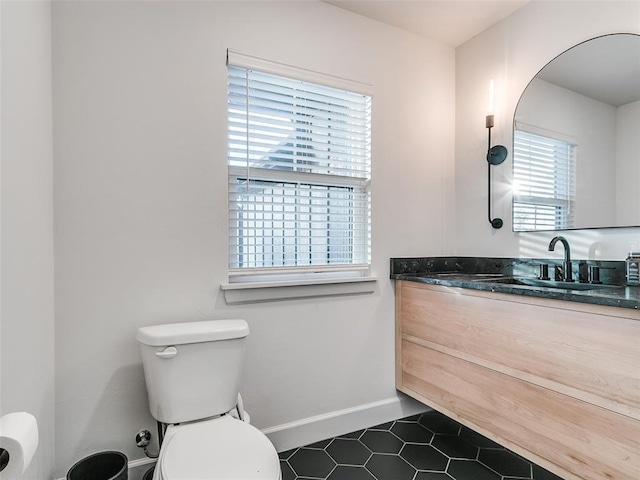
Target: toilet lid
224,448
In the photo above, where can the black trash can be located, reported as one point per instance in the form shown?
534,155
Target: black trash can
149,474
100,466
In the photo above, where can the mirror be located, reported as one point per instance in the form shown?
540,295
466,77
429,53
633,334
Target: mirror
576,152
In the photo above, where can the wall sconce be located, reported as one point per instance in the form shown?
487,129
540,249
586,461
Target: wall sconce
495,156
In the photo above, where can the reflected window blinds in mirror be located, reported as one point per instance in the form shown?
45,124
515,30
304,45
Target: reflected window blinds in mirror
588,97
495,156
543,182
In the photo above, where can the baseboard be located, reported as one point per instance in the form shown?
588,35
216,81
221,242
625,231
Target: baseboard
313,429
141,462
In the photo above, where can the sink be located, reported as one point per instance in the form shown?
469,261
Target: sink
467,276
451,274
534,282
500,278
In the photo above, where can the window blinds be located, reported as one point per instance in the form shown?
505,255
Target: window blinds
544,181
299,159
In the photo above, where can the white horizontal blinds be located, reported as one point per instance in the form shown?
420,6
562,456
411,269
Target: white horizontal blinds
297,126
299,169
529,216
544,177
277,224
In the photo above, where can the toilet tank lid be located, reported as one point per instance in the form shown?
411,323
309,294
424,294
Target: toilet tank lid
192,332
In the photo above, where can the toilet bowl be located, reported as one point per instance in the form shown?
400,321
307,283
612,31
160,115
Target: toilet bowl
223,448
192,372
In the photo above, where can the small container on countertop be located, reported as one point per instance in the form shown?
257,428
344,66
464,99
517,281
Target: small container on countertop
632,264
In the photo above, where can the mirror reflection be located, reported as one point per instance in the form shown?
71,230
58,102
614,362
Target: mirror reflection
576,154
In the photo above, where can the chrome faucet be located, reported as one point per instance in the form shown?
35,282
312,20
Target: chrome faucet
566,265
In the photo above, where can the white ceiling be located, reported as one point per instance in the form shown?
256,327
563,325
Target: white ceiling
451,22
614,78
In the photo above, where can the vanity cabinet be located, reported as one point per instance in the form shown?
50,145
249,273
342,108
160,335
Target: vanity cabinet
557,382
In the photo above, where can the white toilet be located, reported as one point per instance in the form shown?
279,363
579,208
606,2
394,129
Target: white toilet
192,371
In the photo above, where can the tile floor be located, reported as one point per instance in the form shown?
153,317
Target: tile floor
429,446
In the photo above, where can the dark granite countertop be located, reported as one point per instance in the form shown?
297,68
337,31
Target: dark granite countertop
518,277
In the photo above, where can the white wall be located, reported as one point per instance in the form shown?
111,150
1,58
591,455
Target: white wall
140,199
628,166
512,52
26,317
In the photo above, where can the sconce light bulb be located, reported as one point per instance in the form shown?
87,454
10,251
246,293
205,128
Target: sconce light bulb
491,98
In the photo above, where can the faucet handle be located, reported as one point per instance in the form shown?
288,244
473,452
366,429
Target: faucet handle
593,273
543,273
558,273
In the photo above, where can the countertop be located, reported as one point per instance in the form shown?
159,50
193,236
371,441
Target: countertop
494,275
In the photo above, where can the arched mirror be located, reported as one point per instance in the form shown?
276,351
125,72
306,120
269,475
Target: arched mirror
576,153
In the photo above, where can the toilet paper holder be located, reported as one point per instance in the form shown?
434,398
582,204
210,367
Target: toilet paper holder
4,459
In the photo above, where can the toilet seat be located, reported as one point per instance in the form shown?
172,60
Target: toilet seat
223,448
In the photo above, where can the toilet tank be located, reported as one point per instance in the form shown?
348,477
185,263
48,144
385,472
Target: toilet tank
192,370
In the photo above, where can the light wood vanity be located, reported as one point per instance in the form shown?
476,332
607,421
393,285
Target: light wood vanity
557,382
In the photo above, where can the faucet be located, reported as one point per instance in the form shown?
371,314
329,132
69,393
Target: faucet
566,265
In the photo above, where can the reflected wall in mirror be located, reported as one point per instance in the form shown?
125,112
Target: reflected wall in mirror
576,153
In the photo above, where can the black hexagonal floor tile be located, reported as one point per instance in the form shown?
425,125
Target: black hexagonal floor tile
540,473
348,451
505,462
390,467
343,472
383,426
356,434
322,444
478,439
311,463
412,432
427,446
424,457
381,442
455,446
285,455
439,423
469,469
432,476
287,473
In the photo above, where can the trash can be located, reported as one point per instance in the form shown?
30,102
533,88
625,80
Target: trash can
100,466
149,474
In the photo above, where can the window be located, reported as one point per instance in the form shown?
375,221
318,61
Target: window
299,163
544,182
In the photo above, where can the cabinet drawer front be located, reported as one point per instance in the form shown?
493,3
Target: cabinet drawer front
594,355
590,442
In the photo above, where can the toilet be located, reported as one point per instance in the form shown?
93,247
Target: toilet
192,371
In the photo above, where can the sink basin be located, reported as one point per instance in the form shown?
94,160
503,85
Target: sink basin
468,276
460,274
534,282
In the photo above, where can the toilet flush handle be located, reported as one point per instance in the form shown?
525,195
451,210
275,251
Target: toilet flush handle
168,352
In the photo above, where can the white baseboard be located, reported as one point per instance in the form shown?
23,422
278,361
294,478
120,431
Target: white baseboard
140,462
313,429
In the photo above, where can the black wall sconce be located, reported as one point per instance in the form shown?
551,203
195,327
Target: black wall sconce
495,156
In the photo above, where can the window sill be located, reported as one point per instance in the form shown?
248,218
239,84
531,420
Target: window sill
256,292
